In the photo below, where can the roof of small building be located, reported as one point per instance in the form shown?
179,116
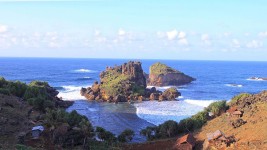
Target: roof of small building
232,109
237,113
216,135
41,128
188,138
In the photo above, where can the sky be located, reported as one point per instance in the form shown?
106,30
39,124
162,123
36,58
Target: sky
142,29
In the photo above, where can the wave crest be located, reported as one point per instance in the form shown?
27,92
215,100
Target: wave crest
85,71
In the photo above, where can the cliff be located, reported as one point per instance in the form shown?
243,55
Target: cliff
163,75
125,83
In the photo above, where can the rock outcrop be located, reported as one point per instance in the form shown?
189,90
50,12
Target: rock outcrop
163,75
125,83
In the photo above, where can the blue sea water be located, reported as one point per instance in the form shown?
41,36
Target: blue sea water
216,80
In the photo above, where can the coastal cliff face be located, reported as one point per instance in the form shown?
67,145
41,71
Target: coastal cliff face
162,75
124,83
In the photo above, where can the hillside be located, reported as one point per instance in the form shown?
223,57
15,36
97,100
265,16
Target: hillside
251,135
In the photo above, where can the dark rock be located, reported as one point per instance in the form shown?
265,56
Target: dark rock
171,93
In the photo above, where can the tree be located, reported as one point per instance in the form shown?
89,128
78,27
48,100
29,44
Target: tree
168,129
126,136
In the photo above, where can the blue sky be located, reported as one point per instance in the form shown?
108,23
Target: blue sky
162,29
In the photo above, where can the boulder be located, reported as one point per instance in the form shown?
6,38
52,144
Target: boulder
163,75
171,93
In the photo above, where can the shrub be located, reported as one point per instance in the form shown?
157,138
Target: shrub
4,91
126,136
149,132
17,88
217,107
3,82
105,135
168,129
74,118
235,99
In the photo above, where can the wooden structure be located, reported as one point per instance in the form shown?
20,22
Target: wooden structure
217,139
186,142
234,112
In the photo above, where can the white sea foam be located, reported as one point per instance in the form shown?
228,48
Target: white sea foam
165,87
256,79
85,71
234,85
158,112
71,93
202,103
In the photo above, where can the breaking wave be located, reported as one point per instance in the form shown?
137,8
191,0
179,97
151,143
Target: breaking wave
85,71
158,112
71,93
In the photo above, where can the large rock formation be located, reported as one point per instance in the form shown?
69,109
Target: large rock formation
124,83
163,75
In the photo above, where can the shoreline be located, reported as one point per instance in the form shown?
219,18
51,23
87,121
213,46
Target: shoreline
113,117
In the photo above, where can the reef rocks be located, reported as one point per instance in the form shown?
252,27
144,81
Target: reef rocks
125,83
163,75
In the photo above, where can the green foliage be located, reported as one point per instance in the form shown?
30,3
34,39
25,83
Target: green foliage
22,147
4,91
105,135
39,84
17,88
74,118
235,99
138,90
149,133
55,117
159,68
3,82
168,129
217,107
171,128
113,84
126,136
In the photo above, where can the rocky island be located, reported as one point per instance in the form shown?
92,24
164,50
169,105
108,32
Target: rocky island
163,75
126,82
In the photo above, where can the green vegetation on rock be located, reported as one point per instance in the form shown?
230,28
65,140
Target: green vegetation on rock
36,93
237,98
159,68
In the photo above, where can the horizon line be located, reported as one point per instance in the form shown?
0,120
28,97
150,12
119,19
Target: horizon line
133,59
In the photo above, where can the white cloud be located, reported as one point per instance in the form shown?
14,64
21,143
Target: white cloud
254,44
171,35
235,43
183,41
97,32
205,39
161,34
3,28
263,34
121,32
181,35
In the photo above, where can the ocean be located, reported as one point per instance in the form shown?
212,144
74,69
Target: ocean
216,80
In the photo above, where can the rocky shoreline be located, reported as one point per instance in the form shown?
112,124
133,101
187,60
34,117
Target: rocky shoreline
128,82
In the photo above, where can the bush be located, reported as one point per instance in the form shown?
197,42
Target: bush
235,99
17,88
74,118
217,107
126,136
3,82
149,132
4,91
105,135
168,129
